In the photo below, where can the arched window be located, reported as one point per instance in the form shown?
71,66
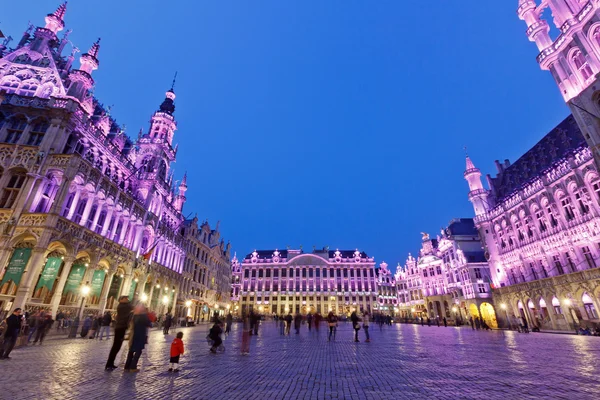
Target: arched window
46,196
37,132
556,305
11,191
588,304
162,171
10,85
15,129
28,88
581,65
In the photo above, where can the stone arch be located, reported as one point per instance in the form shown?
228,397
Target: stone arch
488,314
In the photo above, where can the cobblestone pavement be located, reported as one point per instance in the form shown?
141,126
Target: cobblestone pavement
402,361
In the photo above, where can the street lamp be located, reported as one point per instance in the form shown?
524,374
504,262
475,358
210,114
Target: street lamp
84,291
144,297
165,300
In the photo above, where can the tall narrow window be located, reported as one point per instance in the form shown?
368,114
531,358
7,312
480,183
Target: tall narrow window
478,273
45,197
541,220
570,262
588,257
582,206
11,191
534,274
15,130
558,265
581,65
568,209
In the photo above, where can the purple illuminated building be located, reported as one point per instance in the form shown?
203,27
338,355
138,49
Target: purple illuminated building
279,282
81,204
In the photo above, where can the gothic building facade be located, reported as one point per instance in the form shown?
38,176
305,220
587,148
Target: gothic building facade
450,278
292,281
540,217
81,204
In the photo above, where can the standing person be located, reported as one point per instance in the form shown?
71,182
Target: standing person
317,321
365,320
471,322
252,320
121,322
176,352
437,321
138,337
257,318
105,325
44,325
288,323
96,322
282,326
428,321
85,328
477,323
309,320
332,322
167,323
297,322
228,322
245,334
13,328
60,320
445,322
355,325
422,321
32,323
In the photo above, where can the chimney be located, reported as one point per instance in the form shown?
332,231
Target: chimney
506,163
499,167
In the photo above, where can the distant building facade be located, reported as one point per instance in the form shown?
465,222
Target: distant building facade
450,278
279,282
387,291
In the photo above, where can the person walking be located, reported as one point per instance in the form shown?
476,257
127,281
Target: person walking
32,323
215,336
477,323
167,323
105,325
13,328
422,321
428,321
288,323
332,322
297,322
96,323
228,322
176,352
44,325
365,321
121,322
245,347
317,321
445,322
309,320
472,323
138,337
355,325
437,321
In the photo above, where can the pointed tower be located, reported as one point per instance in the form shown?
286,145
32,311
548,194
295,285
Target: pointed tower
180,199
81,79
55,21
477,194
573,57
155,153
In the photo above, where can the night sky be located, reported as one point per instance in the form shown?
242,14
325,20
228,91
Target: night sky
320,123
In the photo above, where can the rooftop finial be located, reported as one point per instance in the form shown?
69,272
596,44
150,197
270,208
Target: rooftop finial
466,152
61,10
94,49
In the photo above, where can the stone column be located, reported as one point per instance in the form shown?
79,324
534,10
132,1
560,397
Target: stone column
61,284
105,288
34,266
97,215
124,230
25,194
87,209
61,196
5,254
115,226
109,214
74,203
173,307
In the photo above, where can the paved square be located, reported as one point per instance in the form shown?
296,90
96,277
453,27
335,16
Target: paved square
402,361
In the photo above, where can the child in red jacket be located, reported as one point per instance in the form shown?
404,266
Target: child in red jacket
176,351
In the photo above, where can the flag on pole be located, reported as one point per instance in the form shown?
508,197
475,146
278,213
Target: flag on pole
149,253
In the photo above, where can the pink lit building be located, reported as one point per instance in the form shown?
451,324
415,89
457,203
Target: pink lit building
278,282
540,217
81,204
450,278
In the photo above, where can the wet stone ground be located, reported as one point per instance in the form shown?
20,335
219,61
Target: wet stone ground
402,361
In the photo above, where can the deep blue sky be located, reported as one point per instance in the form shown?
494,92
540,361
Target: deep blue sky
337,123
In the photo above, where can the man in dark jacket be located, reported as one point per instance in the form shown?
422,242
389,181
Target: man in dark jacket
13,328
124,310
105,325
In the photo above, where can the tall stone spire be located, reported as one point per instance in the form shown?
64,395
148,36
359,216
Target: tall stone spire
477,194
55,21
89,61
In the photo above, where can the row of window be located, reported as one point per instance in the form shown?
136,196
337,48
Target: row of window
15,128
304,271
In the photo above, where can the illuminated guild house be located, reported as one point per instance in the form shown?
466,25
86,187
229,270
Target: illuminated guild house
81,203
450,278
387,293
540,216
279,282
207,271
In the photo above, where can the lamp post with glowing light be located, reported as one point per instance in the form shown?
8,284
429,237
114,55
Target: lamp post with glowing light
84,291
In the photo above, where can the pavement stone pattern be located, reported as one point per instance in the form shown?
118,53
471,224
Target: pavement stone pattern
401,362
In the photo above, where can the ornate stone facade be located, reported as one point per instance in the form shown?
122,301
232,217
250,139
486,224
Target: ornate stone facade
279,282
80,202
450,278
